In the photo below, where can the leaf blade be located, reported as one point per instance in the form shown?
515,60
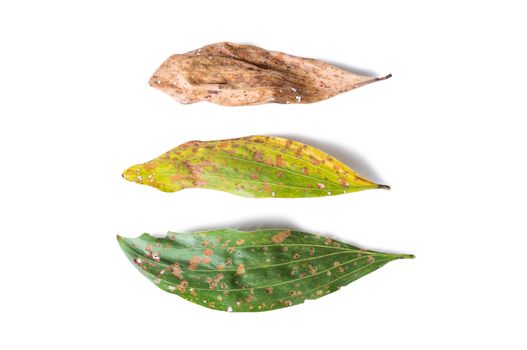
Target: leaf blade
250,271
253,166
234,75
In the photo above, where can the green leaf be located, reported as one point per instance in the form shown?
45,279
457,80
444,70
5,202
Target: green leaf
232,270
254,166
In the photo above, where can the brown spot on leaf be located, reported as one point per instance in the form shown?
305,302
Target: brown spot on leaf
215,281
197,170
155,256
314,160
278,160
240,269
298,152
150,165
258,156
178,177
208,252
176,270
281,236
182,287
148,250
194,262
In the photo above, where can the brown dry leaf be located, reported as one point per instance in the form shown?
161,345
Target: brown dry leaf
236,75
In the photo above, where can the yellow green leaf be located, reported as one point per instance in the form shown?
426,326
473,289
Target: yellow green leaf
254,166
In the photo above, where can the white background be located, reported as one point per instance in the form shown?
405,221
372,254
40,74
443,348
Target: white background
447,132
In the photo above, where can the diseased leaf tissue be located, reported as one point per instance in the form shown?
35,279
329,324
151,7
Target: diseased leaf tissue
254,166
231,270
233,75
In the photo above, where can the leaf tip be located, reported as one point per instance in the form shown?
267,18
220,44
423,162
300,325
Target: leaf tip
122,241
406,256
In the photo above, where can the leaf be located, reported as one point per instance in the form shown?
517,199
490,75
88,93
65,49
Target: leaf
234,75
254,166
231,270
